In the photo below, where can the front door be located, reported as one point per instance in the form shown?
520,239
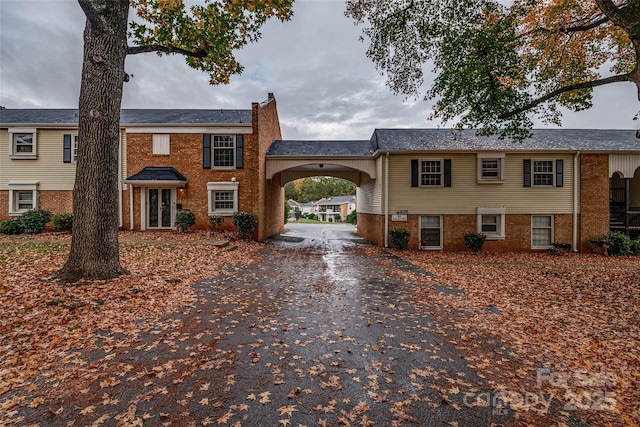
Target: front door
159,203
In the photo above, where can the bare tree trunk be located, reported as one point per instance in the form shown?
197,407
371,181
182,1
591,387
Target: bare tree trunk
94,244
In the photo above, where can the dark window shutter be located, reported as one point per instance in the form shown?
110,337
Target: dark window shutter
66,148
447,172
414,173
206,151
559,173
527,173
239,151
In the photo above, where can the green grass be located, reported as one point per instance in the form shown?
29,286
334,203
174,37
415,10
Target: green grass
315,221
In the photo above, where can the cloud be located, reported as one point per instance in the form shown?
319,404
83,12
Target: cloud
314,64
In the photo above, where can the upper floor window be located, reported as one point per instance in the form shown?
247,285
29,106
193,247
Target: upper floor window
543,173
70,148
490,167
431,173
22,143
224,151
161,143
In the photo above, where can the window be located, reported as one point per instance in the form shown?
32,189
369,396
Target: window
160,144
431,232
223,198
541,231
491,223
22,197
224,151
23,143
543,172
490,168
431,173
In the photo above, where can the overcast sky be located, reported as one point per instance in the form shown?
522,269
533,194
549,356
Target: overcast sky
315,65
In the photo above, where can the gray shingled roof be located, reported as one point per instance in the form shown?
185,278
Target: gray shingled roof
319,148
337,200
543,139
158,173
128,117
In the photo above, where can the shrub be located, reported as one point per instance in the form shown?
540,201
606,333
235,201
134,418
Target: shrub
352,218
216,222
560,248
185,219
287,211
62,222
613,243
34,221
399,237
245,223
635,247
474,241
311,216
10,226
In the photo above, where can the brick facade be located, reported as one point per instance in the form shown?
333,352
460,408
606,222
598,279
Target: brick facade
594,197
185,155
58,202
517,231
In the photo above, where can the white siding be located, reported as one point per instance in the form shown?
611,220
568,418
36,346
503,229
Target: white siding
369,194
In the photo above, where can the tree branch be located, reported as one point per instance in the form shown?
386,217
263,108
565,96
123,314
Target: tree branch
91,12
577,86
134,50
570,29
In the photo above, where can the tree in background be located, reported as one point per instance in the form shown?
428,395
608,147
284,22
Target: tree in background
499,63
317,187
207,34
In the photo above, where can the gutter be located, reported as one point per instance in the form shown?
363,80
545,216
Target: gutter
386,201
120,209
576,185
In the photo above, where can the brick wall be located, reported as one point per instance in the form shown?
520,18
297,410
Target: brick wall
186,157
517,231
58,202
371,227
4,205
270,198
594,197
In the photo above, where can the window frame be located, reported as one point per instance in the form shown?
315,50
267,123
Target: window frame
497,157
440,228
13,147
421,173
551,228
500,214
14,192
552,173
220,187
157,144
234,143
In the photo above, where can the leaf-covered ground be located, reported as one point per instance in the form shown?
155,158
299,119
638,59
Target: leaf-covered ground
577,316
317,333
43,321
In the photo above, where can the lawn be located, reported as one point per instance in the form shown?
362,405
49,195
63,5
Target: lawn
571,324
43,320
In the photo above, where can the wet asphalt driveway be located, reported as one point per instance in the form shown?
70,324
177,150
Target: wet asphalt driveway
313,334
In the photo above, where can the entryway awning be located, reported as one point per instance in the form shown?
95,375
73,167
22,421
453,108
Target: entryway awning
157,176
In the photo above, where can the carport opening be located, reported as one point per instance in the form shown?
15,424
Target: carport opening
322,199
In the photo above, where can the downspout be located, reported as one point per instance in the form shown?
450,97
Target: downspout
120,210
576,186
130,207
386,201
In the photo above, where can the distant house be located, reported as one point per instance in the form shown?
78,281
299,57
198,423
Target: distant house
336,209
310,207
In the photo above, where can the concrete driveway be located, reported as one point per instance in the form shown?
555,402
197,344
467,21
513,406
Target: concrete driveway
313,334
